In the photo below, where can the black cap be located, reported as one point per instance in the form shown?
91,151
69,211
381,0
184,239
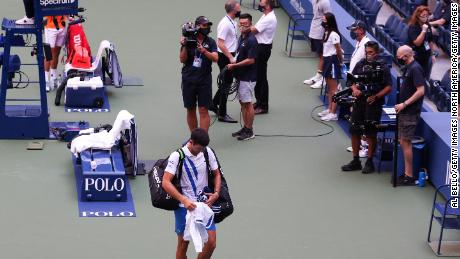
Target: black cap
202,20
357,24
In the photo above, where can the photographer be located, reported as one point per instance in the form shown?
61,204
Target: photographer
197,53
367,108
409,108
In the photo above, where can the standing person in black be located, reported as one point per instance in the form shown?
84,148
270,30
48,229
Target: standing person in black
264,31
367,107
421,39
408,108
196,74
227,41
246,72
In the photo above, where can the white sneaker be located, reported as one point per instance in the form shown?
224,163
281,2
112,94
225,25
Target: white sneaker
323,113
317,77
25,21
363,153
330,117
318,84
350,149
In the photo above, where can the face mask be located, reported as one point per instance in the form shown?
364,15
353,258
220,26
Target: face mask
324,24
353,35
237,14
401,61
370,58
205,31
261,8
423,20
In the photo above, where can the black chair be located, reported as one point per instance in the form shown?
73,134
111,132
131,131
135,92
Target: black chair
298,29
369,16
448,218
382,29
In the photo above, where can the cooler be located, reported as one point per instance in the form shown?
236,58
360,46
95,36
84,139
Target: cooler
85,94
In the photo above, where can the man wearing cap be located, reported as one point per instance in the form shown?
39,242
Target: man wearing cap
196,74
316,34
264,31
358,33
227,42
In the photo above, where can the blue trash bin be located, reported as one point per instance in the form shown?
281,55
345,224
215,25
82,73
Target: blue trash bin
418,149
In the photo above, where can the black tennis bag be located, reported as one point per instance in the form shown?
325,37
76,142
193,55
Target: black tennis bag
223,207
160,198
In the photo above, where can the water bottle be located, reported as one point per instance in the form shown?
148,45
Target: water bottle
58,80
93,165
344,69
421,179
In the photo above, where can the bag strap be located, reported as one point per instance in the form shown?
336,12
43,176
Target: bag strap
181,162
206,158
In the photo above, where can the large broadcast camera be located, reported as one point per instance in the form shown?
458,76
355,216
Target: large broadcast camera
189,31
369,82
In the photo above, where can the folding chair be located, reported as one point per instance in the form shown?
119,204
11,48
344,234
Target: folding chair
448,218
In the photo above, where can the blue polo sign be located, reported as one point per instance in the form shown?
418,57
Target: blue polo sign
103,187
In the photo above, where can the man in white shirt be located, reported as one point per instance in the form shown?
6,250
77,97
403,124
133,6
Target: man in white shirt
193,181
227,43
316,35
264,31
358,33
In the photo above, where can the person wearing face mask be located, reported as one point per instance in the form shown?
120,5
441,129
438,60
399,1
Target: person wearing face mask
333,60
227,42
358,33
196,74
408,108
246,72
367,108
264,31
320,7
421,39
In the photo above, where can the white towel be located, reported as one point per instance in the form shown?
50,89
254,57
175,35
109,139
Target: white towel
103,139
195,225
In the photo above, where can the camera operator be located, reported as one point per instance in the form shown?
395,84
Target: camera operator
197,58
409,108
367,108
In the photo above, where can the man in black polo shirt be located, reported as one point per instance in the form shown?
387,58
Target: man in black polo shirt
196,74
408,108
367,108
246,72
